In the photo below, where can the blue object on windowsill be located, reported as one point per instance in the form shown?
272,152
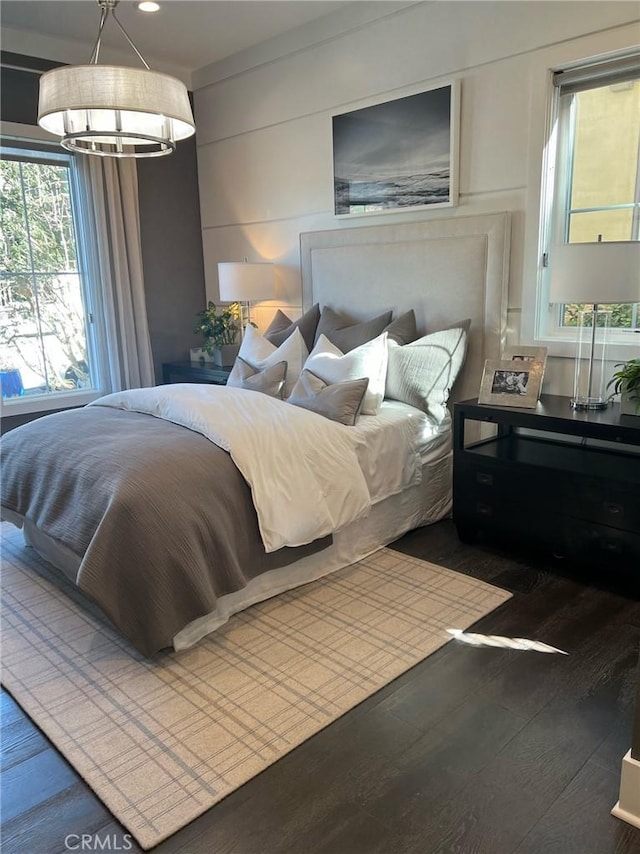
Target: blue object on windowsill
11,383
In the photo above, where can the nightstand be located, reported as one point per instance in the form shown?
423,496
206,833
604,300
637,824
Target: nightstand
562,480
194,372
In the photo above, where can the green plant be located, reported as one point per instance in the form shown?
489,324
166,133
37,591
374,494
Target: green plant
218,326
626,380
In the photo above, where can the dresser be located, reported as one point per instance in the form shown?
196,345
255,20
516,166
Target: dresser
553,478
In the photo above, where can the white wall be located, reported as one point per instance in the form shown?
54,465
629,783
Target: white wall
264,132
75,52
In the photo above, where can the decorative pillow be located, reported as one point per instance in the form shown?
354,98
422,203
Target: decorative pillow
345,333
369,360
279,323
422,373
403,329
340,402
268,380
260,354
281,327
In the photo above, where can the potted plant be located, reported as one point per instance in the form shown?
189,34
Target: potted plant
219,328
626,382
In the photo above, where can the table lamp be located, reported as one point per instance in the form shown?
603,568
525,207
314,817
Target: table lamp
245,282
595,273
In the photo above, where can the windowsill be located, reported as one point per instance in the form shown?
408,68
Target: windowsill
47,402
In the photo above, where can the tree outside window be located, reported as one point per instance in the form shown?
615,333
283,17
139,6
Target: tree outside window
43,333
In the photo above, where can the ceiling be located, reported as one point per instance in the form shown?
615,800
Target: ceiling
186,33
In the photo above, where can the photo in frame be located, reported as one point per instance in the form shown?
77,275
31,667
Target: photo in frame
397,155
507,382
518,353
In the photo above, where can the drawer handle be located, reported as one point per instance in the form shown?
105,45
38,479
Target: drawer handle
614,509
608,546
484,478
484,510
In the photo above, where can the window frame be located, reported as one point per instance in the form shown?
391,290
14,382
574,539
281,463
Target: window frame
19,136
555,201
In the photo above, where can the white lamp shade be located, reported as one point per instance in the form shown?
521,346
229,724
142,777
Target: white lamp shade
88,100
605,272
245,282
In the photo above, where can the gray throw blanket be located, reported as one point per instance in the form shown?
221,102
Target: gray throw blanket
160,517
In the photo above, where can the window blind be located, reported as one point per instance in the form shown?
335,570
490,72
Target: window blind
596,74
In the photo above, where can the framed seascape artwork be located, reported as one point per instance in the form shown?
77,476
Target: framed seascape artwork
397,155
511,383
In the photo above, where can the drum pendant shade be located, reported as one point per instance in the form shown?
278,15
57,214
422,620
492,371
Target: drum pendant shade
115,111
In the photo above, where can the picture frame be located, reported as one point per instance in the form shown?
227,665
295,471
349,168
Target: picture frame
508,382
518,353
397,155
526,354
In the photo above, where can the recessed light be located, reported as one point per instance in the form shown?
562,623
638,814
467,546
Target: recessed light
148,6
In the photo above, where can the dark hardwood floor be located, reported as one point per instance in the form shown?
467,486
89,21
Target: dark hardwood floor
476,750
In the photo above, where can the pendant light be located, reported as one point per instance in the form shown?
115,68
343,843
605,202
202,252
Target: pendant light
111,110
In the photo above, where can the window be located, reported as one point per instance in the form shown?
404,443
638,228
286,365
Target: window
46,343
593,176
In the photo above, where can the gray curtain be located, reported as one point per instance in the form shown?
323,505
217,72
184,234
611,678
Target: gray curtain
110,199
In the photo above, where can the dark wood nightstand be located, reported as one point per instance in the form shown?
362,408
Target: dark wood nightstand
565,481
194,372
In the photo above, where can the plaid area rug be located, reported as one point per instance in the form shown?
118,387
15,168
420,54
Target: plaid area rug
160,741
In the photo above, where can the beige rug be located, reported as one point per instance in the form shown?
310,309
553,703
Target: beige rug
162,741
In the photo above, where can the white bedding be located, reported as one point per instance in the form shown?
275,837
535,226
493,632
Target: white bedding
340,472
394,444
322,493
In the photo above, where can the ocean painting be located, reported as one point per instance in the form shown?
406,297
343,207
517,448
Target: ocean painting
398,154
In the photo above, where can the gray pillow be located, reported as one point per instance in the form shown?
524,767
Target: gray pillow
268,381
422,373
340,402
279,323
346,333
403,329
281,327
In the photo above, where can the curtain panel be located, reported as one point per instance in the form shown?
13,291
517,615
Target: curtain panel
110,202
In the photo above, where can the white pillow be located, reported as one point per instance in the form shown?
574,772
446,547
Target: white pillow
423,372
368,360
256,351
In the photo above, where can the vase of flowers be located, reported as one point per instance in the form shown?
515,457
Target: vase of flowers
626,382
219,328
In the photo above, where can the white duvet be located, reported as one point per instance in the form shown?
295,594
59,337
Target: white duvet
394,445
304,472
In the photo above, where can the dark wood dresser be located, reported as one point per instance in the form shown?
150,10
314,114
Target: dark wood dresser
551,477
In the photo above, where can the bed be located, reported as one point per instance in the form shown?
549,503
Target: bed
172,522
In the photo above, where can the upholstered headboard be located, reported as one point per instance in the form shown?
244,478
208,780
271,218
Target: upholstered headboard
447,270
